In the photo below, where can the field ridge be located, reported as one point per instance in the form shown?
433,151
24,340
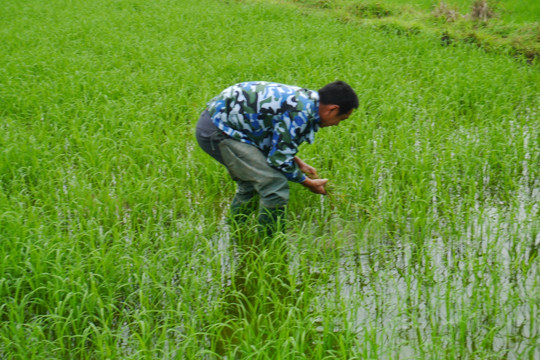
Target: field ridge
482,25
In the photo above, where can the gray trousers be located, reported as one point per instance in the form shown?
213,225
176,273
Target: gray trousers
246,164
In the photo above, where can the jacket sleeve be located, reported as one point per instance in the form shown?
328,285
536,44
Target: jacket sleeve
284,147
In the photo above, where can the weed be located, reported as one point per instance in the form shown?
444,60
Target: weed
375,10
443,10
482,10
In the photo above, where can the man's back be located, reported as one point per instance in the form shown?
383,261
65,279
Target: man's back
276,118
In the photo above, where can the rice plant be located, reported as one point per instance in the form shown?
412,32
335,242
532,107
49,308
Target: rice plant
113,232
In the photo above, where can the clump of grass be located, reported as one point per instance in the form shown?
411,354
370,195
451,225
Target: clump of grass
482,10
445,11
369,10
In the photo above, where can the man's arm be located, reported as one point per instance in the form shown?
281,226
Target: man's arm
284,147
282,156
305,168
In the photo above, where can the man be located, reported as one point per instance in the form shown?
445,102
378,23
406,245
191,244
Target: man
255,129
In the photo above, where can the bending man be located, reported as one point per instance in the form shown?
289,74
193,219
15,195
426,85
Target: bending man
255,129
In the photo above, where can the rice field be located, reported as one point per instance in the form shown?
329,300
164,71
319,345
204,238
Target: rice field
114,242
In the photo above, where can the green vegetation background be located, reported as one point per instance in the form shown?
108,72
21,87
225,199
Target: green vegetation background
111,219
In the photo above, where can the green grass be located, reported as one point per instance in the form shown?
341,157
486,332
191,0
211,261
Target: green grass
512,11
112,233
501,26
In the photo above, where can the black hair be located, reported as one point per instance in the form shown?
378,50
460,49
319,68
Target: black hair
339,93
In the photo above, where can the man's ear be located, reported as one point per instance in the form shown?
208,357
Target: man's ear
333,107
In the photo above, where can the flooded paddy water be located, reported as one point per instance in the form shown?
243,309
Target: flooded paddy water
470,291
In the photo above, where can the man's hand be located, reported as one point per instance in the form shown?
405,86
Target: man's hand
315,185
312,182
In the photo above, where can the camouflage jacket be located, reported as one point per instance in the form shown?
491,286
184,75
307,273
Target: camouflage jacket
275,118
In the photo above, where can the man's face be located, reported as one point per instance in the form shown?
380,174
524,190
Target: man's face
331,117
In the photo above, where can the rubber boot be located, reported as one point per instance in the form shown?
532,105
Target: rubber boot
271,220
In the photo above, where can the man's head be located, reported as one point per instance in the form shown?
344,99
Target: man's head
337,102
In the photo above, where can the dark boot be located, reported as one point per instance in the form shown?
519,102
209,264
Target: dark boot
242,209
271,220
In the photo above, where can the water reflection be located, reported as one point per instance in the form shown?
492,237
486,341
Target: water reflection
470,293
